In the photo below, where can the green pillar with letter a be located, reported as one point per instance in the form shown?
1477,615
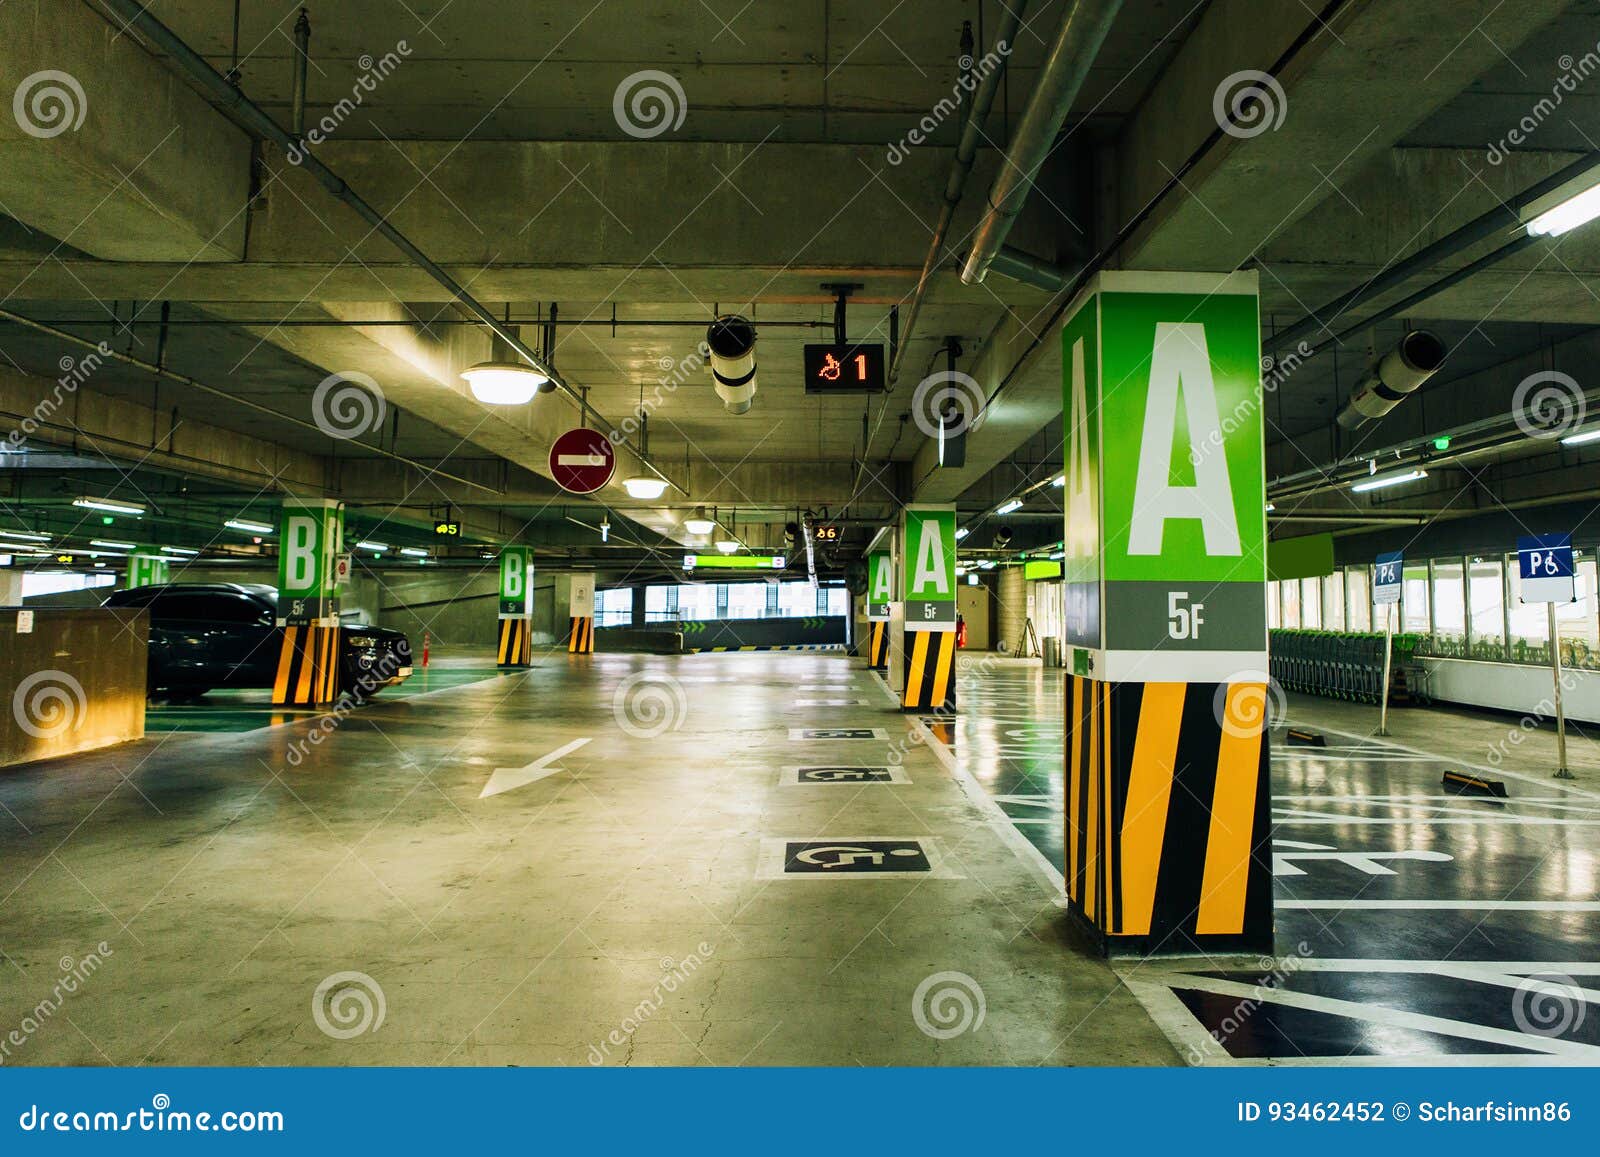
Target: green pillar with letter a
147,569
514,647
928,590
310,540
880,597
1167,698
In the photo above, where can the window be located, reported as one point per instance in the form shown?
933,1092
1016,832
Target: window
1358,598
1576,622
1530,627
1310,603
1486,605
1414,602
1291,603
661,604
613,608
36,583
1274,612
747,600
1449,606
1333,601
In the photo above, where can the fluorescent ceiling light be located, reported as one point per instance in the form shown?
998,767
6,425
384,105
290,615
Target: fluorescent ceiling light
110,505
1008,507
1581,439
178,550
1059,481
1270,508
24,536
1574,211
247,526
727,546
961,532
1391,480
413,552
112,545
1058,555
644,487
504,383
380,547
972,579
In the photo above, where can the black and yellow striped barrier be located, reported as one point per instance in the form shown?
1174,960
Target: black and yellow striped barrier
308,666
1300,737
1461,781
516,643
878,646
930,671
580,639
1168,835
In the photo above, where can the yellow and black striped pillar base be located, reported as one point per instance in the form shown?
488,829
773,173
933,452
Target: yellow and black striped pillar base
516,643
308,666
580,639
930,671
878,646
1168,838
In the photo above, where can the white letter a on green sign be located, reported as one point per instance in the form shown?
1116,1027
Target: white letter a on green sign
1180,364
930,572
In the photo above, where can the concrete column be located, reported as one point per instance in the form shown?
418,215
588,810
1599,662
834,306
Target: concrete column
928,540
638,618
10,587
1012,609
515,645
574,611
310,543
880,594
1168,841
147,569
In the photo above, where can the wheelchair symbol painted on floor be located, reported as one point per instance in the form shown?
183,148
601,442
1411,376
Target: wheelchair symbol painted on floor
858,856
1285,852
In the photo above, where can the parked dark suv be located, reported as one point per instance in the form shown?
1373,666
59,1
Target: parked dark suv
206,635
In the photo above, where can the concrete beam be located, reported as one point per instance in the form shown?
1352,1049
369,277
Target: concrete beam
1352,91
67,412
114,155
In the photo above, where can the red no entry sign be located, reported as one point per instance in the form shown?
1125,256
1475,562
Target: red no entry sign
582,461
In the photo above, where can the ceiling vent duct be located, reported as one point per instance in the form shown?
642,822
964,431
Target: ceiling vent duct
732,341
1400,371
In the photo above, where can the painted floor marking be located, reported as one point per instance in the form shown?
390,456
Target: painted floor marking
1383,1015
1430,905
852,858
830,702
507,779
1047,873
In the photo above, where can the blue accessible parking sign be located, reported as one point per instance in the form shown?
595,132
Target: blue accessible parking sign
1544,563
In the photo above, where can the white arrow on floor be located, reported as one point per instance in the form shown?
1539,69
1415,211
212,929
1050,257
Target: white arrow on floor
510,778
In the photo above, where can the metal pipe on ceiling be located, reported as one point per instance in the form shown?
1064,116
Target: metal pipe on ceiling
255,120
302,59
1505,215
1078,41
960,170
334,322
103,350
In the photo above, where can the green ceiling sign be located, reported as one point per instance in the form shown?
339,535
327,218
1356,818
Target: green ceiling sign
734,561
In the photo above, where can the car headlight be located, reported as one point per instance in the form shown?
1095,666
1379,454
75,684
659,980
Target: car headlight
363,640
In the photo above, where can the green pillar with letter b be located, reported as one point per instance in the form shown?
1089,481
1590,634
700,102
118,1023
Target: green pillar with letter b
310,540
1164,540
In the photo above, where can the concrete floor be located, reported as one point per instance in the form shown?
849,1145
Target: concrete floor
575,865
609,910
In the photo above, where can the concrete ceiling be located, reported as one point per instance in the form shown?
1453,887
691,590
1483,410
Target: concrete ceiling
493,143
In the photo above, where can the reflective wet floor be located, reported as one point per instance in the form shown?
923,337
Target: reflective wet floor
1415,924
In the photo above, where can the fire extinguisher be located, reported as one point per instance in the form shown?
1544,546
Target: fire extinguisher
961,631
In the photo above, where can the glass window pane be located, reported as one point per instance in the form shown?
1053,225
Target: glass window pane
1291,603
1486,599
747,600
1358,598
1449,606
1414,599
1333,601
1576,623
1530,627
655,605
697,601
1310,603
1274,615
